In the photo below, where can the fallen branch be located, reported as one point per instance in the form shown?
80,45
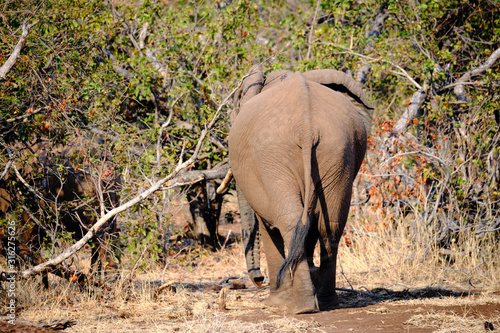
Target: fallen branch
169,285
110,214
17,50
459,88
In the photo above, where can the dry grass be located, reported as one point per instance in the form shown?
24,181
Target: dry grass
388,259
444,322
396,258
130,307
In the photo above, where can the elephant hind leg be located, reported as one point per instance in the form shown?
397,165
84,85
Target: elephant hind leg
332,222
296,291
327,296
274,247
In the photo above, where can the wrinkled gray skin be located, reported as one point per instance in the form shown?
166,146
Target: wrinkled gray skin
295,147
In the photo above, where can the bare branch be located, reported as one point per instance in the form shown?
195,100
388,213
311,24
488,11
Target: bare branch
411,111
17,50
143,34
110,214
405,73
20,177
7,167
459,89
148,52
194,176
119,69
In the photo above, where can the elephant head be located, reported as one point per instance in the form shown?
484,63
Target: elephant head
294,151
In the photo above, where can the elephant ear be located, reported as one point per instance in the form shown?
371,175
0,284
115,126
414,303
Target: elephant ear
343,83
251,86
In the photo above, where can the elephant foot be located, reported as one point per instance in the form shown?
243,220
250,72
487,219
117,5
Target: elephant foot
295,305
304,305
328,301
277,298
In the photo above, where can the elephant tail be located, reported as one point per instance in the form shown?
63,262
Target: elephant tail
297,243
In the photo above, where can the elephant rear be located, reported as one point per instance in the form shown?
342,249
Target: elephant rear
294,150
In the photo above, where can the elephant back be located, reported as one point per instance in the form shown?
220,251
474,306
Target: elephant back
343,83
274,78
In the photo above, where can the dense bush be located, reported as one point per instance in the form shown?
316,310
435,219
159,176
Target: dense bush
146,77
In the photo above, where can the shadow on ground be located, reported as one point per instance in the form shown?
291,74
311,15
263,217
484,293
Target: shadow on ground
357,299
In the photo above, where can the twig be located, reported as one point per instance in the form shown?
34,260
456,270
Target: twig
403,71
130,275
163,126
311,32
375,30
460,83
20,177
6,67
25,115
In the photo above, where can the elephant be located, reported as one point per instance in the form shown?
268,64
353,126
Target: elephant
296,143
74,183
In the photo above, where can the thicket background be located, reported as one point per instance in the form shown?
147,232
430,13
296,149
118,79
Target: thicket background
147,76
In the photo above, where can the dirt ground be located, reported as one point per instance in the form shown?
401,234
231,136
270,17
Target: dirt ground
427,312
423,310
